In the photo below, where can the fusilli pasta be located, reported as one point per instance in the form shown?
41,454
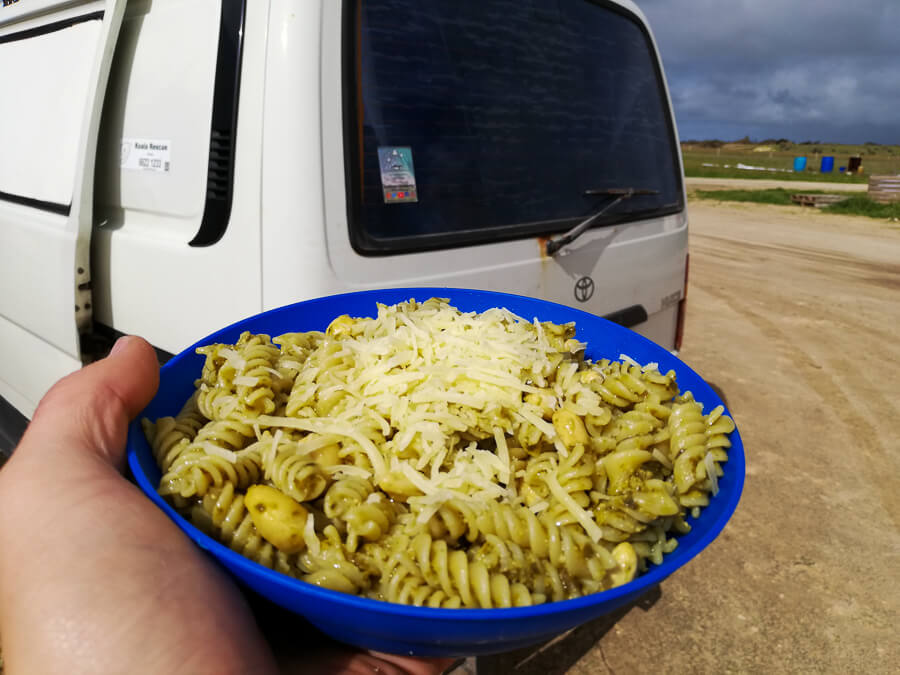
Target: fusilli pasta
441,458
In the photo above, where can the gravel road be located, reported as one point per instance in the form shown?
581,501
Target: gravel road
793,316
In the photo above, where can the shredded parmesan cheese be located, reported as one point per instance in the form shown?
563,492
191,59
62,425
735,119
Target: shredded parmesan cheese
542,505
348,470
246,380
627,359
583,517
309,536
322,426
217,451
234,359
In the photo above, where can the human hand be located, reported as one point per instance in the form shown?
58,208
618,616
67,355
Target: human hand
94,578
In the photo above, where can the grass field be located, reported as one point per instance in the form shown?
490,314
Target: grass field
856,205
713,159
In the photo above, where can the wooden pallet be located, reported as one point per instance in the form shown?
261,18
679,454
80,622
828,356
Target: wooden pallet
817,200
884,189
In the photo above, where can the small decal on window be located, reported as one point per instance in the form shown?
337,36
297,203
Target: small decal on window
146,154
398,178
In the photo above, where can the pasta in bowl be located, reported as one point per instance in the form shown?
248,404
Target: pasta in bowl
384,461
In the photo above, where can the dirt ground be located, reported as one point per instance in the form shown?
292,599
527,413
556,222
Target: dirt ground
793,316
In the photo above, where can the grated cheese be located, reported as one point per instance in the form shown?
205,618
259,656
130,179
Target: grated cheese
233,359
627,359
349,471
423,376
218,451
503,454
540,506
324,426
583,517
273,450
309,536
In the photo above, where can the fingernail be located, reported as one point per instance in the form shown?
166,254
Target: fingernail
121,343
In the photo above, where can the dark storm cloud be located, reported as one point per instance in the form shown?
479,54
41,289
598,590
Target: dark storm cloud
801,69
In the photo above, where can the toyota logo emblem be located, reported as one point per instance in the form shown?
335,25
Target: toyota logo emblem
584,289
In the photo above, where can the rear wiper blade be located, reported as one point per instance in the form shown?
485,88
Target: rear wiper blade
616,194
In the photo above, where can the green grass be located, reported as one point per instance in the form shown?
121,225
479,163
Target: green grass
723,172
724,158
776,196
860,205
856,205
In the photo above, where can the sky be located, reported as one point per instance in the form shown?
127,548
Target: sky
817,70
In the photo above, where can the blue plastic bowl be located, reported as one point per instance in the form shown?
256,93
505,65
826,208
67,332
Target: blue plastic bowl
422,631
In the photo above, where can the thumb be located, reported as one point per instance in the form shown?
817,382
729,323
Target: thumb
89,410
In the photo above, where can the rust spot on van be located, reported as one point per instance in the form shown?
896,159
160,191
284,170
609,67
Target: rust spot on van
542,246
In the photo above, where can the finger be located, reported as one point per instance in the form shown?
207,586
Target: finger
415,666
345,661
91,408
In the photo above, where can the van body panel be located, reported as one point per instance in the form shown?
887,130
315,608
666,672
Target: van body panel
60,50
35,365
295,259
150,281
160,91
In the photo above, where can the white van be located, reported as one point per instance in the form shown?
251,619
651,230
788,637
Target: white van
170,166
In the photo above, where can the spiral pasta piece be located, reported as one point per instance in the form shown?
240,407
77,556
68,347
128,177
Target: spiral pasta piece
297,475
227,434
194,473
619,385
169,437
241,380
402,582
369,521
472,581
223,511
259,380
344,494
328,565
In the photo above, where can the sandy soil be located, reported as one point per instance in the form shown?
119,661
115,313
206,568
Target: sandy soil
793,316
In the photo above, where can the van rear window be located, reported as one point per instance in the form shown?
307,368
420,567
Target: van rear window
489,121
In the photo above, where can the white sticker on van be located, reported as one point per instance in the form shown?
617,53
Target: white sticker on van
146,154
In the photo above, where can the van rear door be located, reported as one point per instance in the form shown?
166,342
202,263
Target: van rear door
56,56
475,133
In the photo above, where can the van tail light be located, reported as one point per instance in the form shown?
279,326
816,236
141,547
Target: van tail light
682,305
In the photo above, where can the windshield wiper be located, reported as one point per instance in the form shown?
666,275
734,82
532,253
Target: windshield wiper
618,195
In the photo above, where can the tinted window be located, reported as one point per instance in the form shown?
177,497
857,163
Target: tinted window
504,112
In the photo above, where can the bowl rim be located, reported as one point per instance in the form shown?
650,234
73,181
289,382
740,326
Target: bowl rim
226,556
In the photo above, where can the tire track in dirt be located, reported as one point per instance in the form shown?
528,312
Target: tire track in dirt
880,273
717,249
860,426
860,338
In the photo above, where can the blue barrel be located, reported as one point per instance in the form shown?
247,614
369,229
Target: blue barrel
827,165
799,163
